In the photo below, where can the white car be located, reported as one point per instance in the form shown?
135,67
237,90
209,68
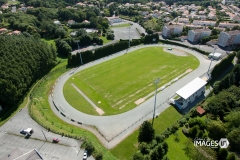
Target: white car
85,154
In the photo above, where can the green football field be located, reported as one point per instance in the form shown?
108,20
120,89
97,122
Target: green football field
115,85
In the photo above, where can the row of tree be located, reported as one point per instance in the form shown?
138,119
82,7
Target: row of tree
23,60
88,56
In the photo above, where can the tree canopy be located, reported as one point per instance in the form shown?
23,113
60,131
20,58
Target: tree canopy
146,132
23,60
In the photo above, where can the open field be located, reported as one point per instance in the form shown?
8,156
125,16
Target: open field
115,85
128,146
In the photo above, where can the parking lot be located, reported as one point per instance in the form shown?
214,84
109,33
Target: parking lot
10,138
123,32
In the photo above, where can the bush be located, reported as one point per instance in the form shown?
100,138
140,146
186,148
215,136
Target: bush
185,131
193,131
160,138
138,156
98,155
88,146
223,153
182,122
231,156
174,128
144,148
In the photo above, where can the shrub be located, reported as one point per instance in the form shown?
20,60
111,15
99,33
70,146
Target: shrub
223,153
153,144
98,155
88,146
160,138
174,128
185,131
138,156
194,131
182,122
144,148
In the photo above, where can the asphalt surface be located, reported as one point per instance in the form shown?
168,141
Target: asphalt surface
115,128
123,32
11,138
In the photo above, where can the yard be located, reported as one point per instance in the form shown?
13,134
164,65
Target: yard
115,85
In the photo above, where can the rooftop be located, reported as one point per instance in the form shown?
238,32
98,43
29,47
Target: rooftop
192,87
201,30
200,110
233,32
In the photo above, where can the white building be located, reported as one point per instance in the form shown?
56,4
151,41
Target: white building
215,56
172,30
229,38
204,23
183,20
190,92
198,34
228,25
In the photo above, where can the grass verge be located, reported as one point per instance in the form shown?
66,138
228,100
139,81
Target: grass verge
119,82
128,146
176,147
105,40
41,112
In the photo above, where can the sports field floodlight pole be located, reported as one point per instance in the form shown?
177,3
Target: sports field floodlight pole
79,52
215,47
129,36
156,83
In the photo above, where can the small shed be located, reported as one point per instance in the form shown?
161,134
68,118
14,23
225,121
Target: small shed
215,56
200,110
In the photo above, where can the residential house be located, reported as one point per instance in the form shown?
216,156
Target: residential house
114,20
196,35
85,21
57,22
172,30
191,26
228,25
14,9
229,38
183,20
204,23
71,22
212,16
16,32
4,6
3,30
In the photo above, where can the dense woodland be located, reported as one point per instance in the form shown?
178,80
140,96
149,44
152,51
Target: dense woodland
23,60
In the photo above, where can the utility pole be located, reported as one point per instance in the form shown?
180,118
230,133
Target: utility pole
156,83
215,47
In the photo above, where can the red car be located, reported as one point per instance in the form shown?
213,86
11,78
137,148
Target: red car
55,140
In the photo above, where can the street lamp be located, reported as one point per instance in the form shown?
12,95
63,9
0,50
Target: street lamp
79,52
156,83
215,47
129,36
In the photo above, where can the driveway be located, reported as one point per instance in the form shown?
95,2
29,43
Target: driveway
113,129
10,138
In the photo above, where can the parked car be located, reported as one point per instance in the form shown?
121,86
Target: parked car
55,140
85,154
27,132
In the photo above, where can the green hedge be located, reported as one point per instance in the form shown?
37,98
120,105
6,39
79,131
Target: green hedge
89,56
222,66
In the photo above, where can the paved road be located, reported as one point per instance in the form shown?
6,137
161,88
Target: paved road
117,127
10,138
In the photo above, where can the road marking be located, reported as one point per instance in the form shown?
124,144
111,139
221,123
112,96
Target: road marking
75,150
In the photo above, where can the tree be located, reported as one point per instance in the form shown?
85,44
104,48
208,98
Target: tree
223,153
81,32
146,132
194,131
233,120
138,156
144,148
60,33
234,139
231,156
216,129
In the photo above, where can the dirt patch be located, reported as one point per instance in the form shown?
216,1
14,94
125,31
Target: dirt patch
188,70
139,101
176,52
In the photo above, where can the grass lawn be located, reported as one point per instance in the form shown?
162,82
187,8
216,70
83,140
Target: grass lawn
128,146
105,40
42,113
49,41
175,149
119,82
121,25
